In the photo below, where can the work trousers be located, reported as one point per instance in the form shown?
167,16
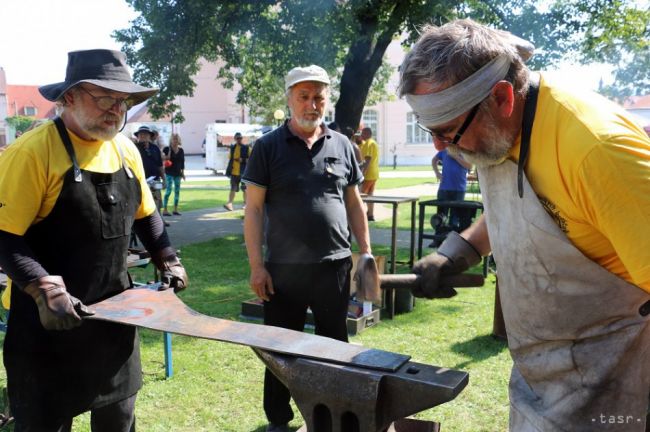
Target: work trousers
322,287
457,219
115,417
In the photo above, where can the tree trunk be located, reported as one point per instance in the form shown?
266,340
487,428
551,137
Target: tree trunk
364,58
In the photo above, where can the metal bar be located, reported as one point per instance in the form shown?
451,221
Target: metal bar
163,311
169,363
412,245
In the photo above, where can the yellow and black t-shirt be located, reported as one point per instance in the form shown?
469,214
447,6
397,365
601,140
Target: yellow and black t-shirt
590,166
32,171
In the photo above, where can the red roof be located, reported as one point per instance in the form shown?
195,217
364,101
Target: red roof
24,99
638,102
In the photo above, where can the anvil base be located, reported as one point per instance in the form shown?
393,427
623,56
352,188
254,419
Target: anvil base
405,425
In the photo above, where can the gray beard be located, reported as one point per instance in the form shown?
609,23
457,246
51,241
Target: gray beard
496,143
93,130
309,124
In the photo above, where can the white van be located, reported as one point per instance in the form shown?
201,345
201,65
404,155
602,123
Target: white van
219,136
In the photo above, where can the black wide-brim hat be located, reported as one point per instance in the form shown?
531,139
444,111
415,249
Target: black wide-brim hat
101,67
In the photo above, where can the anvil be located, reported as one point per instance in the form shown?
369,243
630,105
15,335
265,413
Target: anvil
338,387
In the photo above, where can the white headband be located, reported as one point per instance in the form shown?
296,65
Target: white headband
438,108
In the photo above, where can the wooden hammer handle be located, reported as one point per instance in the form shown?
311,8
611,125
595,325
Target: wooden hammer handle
401,281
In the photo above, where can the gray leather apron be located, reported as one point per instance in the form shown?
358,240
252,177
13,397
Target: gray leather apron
579,335
58,374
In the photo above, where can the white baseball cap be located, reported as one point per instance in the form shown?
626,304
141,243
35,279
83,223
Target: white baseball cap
307,73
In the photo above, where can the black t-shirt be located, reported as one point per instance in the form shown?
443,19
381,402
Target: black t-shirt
306,220
178,162
151,159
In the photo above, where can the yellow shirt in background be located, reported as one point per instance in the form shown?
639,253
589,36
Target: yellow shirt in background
369,148
32,170
235,163
589,164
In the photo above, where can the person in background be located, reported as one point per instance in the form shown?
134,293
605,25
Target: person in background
370,167
452,186
153,164
71,190
565,182
174,162
237,158
302,198
349,133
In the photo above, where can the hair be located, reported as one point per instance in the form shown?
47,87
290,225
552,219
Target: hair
176,136
334,126
367,129
446,55
348,132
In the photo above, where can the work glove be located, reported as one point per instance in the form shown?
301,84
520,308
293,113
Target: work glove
172,273
454,256
366,277
57,309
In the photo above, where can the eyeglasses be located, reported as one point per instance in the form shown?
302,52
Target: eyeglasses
107,102
459,134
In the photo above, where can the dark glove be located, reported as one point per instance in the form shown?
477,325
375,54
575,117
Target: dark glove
454,256
172,274
57,309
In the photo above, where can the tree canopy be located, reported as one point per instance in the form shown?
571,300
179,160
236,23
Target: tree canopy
258,41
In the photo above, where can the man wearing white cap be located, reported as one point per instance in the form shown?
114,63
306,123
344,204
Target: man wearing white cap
565,178
303,178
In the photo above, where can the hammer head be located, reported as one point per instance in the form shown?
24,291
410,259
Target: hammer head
367,279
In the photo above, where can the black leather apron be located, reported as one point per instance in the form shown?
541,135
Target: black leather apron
59,374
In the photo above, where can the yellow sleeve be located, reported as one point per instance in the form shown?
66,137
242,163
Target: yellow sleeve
615,191
23,188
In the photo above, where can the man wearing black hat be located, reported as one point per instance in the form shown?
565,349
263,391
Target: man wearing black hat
154,170
70,191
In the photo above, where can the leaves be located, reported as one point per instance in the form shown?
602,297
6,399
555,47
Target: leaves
258,41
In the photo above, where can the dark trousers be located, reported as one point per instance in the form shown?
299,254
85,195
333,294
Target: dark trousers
323,287
116,417
455,217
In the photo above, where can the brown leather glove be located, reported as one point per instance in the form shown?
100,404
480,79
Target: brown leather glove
172,273
454,256
57,309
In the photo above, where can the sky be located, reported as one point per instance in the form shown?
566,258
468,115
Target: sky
36,35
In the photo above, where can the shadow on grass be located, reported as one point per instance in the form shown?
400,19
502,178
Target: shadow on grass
478,349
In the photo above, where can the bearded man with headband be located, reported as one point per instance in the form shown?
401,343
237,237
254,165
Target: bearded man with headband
565,178
71,190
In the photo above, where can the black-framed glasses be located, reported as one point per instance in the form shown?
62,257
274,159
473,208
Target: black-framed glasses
107,102
461,130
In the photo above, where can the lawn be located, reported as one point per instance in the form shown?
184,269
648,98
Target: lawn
218,386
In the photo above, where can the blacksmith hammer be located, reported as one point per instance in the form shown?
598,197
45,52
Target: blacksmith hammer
370,282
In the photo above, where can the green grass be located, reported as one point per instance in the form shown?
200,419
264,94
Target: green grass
406,168
218,386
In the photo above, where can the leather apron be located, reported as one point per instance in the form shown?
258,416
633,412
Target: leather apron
579,335
58,374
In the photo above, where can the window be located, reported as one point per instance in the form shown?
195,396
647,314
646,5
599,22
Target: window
415,135
369,119
29,111
329,117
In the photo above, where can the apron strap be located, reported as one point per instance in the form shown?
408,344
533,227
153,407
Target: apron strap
526,130
128,171
67,143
